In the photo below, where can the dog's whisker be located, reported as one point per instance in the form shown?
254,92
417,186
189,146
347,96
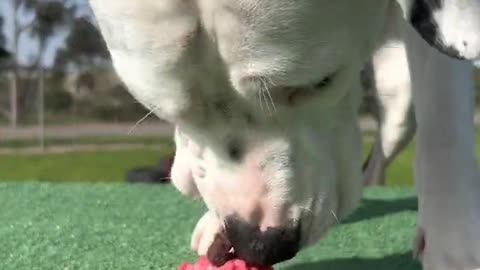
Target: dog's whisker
264,110
271,101
334,216
260,101
266,100
268,97
142,119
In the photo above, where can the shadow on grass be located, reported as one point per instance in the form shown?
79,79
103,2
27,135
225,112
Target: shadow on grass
402,261
371,208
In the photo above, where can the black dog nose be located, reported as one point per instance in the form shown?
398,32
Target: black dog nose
262,248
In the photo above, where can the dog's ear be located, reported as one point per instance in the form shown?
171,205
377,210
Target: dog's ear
451,26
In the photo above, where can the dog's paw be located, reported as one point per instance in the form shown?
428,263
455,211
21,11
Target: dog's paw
459,254
448,238
208,229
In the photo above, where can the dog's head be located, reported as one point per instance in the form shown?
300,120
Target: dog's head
264,96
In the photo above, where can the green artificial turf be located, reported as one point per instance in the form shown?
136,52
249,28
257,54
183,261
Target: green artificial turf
118,226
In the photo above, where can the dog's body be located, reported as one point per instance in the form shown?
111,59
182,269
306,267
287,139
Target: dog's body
265,93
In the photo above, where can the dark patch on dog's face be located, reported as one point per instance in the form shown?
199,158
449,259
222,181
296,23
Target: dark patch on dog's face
249,118
422,19
235,150
262,248
221,107
324,82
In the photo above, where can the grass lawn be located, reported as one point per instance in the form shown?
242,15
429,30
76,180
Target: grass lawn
111,166
119,226
98,140
99,166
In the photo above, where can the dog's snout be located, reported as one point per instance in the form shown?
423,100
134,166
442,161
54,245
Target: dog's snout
262,248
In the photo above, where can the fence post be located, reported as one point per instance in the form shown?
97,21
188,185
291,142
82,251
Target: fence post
41,108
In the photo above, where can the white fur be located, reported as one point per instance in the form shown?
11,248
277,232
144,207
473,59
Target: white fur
226,71
204,233
392,88
458,24
446,170
463,34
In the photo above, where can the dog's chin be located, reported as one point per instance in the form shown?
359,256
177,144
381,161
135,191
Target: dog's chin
324,222
315,233
327,215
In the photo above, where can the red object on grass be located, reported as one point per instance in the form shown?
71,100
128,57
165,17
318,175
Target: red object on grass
234,264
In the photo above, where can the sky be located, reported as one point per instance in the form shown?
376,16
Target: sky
29,47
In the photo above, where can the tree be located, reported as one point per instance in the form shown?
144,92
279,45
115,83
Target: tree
18,29
39,19
2,36
50,16
4,62
4,53
84,46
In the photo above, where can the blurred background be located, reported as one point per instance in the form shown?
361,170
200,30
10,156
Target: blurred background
64,114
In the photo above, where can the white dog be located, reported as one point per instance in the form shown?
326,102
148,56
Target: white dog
386,77
264,95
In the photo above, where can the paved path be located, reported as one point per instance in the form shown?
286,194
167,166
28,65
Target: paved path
59,149
152,128
88,130
106,129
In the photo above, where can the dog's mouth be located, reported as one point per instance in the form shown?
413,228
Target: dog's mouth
222,250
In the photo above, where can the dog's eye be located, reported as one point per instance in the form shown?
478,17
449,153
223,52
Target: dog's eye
298,94
325,82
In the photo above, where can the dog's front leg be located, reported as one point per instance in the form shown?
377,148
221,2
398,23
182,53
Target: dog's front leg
396,120
184,167
446,170
389,77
